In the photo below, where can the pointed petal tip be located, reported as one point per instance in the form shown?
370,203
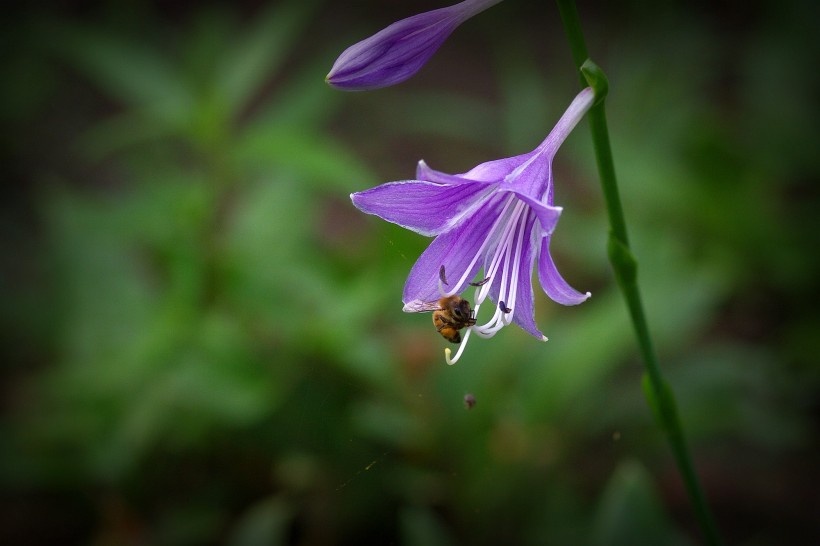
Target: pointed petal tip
569,300
329,78
334,82
580,299
553,283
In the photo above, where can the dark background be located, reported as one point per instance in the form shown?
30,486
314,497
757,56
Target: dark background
203,340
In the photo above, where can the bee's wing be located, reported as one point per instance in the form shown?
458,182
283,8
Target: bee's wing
418,306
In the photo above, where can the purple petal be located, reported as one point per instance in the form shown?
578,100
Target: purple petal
491,171
496,170
532,178
455,250
527,175
523,308
531,181
395,53
423,207
547,215
552,282
424,172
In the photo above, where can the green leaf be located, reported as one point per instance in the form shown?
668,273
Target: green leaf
265,522
309,155
260,51
123,131
630,511
299,101
129,70
420,527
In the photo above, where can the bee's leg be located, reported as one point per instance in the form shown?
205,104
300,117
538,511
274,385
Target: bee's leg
441,322
445,323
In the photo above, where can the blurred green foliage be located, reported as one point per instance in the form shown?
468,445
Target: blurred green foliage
204,338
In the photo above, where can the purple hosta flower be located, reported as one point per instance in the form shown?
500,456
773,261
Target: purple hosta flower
498,217
395,53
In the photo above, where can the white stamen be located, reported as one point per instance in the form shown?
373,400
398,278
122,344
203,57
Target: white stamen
479,253
513,288
503,253
500,249
507,256
507,291
493,325
462,345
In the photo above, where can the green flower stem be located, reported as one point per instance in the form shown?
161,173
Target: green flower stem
656,390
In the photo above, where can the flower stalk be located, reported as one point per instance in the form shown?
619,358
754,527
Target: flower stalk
658,393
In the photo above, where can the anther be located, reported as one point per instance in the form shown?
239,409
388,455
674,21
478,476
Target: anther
442,280
479,283
503,307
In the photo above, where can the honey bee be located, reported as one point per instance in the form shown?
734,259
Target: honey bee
451,314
